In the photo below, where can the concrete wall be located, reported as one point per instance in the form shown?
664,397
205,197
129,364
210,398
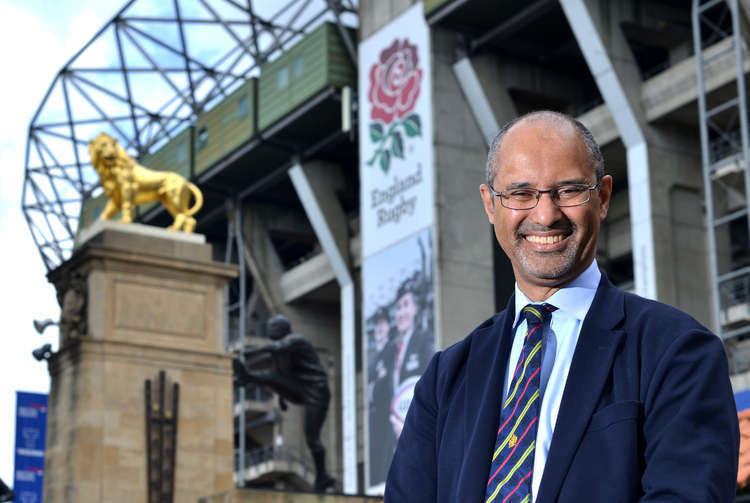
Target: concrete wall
465,278
374,14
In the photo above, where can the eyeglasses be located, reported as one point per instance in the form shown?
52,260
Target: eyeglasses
564,196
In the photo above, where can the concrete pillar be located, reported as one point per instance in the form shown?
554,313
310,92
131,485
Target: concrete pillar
316,186
680,246
465,290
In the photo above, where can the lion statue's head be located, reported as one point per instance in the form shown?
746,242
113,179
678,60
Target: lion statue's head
106,153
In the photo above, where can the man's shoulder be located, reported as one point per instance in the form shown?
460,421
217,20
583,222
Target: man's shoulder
655,327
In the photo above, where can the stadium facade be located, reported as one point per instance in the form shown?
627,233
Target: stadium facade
287,150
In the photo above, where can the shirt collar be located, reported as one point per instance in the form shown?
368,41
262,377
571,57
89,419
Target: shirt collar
574,299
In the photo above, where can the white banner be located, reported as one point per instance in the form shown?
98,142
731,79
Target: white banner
395,132
396,208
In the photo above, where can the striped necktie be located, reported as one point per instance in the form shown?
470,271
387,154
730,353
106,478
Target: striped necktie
513,456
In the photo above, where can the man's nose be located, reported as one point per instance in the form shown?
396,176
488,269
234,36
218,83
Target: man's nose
546,211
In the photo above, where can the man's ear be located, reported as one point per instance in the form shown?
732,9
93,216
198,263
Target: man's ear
488,200
605,196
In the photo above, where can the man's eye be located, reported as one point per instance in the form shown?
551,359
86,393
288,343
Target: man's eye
572,190
522,194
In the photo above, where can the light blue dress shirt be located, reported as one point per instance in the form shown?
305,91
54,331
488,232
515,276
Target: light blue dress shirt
559,342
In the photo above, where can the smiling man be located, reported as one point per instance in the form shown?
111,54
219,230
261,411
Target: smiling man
577,391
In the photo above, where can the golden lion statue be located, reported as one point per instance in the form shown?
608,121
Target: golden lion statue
128,184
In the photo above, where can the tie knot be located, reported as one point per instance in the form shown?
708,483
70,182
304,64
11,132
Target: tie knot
536,314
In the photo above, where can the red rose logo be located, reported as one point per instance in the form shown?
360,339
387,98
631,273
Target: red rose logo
395,81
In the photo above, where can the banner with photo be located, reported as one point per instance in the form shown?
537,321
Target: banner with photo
395,132
399,318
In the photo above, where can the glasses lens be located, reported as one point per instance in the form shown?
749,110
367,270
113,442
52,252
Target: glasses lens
572,195
519,199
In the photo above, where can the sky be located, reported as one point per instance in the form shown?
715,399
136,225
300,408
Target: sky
37,37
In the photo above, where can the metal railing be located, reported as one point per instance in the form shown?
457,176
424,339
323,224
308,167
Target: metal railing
727,144
253,393
735,291
282,453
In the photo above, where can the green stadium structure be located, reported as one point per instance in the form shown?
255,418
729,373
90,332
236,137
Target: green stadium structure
228,125
316,62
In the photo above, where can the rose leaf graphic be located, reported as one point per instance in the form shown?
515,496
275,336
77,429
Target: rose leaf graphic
397,145
376,132
385,161
413,126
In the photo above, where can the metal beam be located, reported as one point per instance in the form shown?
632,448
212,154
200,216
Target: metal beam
475,96
614,95
338,258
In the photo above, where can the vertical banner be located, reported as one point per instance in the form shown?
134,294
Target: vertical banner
31,428
395,132
397,213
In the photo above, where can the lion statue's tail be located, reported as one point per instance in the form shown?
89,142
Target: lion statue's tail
198,195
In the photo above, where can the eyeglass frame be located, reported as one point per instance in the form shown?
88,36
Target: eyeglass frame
551,192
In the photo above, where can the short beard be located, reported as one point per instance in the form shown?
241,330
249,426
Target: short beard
568,255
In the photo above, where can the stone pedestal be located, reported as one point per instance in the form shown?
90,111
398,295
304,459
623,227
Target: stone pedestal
136,301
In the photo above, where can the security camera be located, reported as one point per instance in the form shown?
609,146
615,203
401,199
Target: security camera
43,352
41,325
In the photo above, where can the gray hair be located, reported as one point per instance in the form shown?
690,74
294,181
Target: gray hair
596,159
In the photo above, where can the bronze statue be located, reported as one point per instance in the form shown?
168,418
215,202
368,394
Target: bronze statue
127,184
297,376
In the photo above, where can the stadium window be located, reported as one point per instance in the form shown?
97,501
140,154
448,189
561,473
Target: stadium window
181,152
202,138
282,78
299,66
242,107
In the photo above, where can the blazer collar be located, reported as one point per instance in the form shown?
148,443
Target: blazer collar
485,372
595,350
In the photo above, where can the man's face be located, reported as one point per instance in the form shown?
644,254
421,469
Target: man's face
381,332
548,246
406,311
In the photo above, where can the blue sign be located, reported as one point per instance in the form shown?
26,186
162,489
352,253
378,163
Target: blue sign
31,428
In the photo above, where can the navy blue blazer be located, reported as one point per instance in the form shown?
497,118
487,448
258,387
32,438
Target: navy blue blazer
647,413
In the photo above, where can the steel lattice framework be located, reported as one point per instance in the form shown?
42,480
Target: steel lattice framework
143,78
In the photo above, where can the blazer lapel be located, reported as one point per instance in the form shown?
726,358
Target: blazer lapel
485,373
595,350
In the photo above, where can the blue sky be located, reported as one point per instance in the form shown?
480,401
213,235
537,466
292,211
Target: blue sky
37,37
